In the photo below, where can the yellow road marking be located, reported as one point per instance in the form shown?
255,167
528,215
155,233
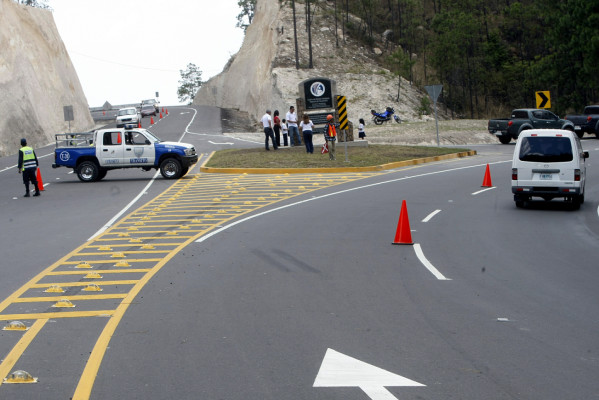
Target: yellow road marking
71,284
56,315
76,297
13,356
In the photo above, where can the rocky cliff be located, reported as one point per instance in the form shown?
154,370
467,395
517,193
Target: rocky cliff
37,79
263,74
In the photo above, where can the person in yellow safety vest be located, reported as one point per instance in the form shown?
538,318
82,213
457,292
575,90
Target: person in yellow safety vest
330,135
28,165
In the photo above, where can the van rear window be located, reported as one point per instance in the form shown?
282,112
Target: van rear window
546,149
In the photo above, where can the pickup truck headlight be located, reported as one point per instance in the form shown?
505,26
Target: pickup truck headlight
190,152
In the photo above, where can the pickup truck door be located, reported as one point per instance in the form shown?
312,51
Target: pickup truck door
109,150
551,120
139,149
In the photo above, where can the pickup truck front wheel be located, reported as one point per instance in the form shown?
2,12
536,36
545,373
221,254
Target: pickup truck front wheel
87,171
171,168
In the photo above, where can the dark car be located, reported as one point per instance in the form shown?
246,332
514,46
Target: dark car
148,109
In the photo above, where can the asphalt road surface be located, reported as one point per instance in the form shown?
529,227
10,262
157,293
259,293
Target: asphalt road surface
288,287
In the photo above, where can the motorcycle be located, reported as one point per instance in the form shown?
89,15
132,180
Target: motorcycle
379,118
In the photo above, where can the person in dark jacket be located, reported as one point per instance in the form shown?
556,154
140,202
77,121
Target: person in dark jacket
28,166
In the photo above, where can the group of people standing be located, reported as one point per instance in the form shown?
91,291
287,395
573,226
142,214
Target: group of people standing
289,127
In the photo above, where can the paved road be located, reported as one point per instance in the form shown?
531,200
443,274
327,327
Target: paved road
288,287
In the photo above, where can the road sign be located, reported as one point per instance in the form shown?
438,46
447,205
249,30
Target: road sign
434,91
342,110
543,99
339,370
68,113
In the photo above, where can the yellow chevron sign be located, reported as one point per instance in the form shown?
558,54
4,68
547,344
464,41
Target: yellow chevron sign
342,111
543,99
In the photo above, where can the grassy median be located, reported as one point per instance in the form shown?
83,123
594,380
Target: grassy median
296,157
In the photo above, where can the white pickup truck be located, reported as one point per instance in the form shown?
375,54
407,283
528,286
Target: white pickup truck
93,154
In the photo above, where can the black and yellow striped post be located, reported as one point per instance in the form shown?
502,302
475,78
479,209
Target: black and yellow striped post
342,112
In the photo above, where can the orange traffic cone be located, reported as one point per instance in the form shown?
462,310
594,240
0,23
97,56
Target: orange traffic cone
40,183
139,124
162,109
487,179
167,111
160,115
151,120
403,235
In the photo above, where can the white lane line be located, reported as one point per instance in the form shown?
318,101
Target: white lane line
427,263
127,207
15,166
224,228
483,190
431,215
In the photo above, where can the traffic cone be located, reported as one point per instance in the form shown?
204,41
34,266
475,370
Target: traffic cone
162,109
167,111
487,179
40,183
160,115
403,235
139,124
151,120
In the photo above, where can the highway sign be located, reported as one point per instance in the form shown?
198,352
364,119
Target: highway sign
543,99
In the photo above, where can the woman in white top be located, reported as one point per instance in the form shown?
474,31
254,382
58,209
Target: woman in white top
306,127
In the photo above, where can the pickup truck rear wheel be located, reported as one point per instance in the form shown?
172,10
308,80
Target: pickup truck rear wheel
171,168
87,171
504,139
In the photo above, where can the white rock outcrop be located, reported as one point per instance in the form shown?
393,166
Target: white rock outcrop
37,79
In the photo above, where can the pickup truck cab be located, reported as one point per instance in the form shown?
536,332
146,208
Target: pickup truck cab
91,155
588,122
549,163
524,119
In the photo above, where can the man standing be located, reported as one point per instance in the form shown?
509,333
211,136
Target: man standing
28,165
268,132
291,118
330,135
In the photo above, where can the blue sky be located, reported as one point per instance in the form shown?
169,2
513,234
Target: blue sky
127,50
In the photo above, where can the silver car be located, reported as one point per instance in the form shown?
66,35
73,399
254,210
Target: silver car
128,115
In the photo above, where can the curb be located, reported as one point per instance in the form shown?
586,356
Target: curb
372,168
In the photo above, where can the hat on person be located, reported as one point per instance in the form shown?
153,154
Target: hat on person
23,142
329,117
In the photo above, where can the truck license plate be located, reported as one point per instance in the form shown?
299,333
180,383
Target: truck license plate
546,177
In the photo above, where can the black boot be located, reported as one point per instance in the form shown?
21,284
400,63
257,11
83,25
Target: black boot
37,191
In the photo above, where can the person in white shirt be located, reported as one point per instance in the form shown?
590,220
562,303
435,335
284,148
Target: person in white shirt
268,132
307,126
291,118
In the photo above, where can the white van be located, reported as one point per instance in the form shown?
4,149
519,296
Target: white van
549,163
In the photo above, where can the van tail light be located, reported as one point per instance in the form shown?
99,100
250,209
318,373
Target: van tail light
514,174
577,175
510,123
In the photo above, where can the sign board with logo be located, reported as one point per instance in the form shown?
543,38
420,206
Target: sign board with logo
318,93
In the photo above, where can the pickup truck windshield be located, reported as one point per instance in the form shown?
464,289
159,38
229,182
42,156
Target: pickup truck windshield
546,149
156,138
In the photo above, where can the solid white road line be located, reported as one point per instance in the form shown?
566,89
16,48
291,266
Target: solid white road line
431,215
427,263
483,190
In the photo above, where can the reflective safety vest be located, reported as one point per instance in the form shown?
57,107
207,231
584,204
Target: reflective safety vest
28,158
331,132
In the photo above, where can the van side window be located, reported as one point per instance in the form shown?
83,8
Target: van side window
546,149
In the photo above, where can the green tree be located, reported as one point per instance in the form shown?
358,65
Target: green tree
244,19
191,82
401,65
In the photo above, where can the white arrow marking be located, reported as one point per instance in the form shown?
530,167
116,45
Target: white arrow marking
339,370
210,141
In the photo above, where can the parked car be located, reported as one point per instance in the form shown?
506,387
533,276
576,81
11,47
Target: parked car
587,122
549,163
127,115
506,129
148,109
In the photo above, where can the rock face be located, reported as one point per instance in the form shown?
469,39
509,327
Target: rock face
37,79
263,75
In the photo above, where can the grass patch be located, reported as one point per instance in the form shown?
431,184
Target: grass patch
296,157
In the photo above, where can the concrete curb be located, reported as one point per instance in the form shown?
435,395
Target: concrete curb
333,170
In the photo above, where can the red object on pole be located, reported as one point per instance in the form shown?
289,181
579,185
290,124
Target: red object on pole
403,235
40,183
487,180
